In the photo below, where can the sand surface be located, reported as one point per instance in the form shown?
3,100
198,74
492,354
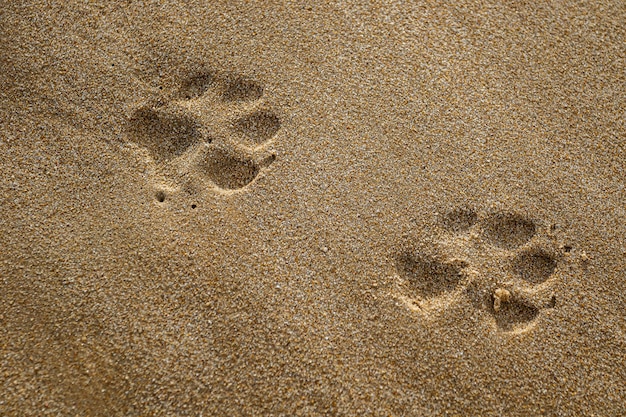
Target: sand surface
221,208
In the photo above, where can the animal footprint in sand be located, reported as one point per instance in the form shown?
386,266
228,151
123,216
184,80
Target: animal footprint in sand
503,263
214,128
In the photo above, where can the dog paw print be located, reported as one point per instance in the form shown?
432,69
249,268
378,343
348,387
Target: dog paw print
504,264
214,129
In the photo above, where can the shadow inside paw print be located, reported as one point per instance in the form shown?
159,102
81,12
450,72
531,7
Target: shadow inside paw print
509,310
205,130
508,230
196,85
229,88
513,314
427,276
240,89
228,170
259,126
534,265
459,220
507,271
164,133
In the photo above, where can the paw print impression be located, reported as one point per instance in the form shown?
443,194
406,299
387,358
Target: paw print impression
429,279
164,132
508,230
503,263
258,126
428,276
510,312
534,265
215,131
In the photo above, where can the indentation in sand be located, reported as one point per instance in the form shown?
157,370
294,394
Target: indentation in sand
240,89
514,314
459,220
204,135
228,170
427,276
505,260
534,265
508,230
165,133
197,85
259,126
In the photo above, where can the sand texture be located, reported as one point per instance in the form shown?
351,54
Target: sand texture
312,208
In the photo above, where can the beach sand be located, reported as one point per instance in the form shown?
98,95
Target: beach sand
220,208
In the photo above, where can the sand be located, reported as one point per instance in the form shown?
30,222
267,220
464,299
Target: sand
220,208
